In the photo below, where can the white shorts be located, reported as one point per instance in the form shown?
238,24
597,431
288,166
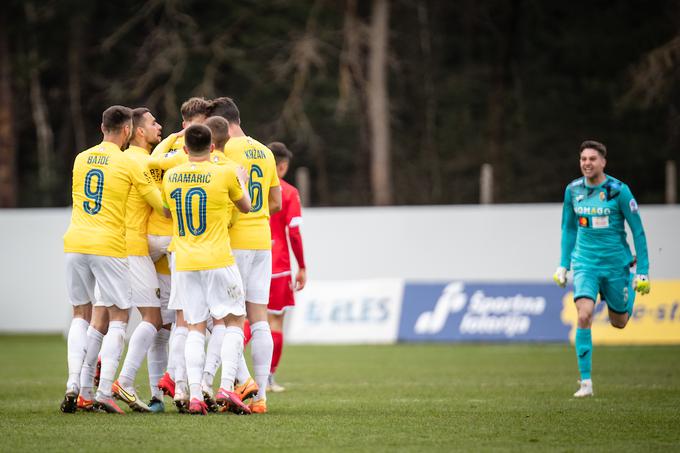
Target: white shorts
167,315
255,267
158,246
145,289
110,275
211,292
174,302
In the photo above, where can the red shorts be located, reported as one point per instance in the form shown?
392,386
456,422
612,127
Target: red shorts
280,294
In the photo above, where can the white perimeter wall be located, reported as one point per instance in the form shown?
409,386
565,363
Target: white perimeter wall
484,243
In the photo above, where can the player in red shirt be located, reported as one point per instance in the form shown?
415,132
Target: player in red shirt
285,227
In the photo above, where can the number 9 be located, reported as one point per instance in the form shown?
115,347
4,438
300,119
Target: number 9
96,195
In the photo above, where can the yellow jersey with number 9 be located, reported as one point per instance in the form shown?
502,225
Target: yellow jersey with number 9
251,231
102,178
199,196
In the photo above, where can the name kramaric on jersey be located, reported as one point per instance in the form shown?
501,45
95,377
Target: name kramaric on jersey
191,178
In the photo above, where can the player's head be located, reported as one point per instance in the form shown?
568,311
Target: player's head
117,122
198,140
146,132
194,111
282,155
593,159
219,127
226,108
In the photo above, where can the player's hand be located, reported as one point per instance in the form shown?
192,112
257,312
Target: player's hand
242,175
641,284
560,277
300,279
180,133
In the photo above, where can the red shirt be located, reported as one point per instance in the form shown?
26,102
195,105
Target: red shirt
287,220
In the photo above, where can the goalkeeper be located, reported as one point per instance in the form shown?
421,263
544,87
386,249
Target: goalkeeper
594,245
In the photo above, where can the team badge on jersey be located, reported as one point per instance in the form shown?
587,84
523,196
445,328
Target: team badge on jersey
602,196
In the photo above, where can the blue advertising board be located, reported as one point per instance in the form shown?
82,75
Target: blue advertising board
470,311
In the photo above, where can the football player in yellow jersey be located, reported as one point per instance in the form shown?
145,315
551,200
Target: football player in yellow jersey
194,111
251,240
96,253
200,194
146,133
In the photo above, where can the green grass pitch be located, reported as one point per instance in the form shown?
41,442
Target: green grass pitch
374,398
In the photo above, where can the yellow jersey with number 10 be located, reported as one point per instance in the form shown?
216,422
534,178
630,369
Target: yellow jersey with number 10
199,196
102,177
251,231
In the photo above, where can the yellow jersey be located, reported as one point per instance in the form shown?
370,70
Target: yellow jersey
171,147
199,196
102,177
137,210
162,266
251,231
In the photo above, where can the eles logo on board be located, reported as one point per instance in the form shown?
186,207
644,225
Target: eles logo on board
482,312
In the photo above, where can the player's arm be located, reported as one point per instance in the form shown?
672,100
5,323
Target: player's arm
569,232
293,216
631,213
166,144
142,181
274,199
237,190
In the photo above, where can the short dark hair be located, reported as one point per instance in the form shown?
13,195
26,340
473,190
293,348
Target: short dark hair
226,108
219,127
138,117
193,107
116,117
198,139
280,151
597,146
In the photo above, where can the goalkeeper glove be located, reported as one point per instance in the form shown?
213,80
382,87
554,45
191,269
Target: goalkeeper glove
641,284
560,277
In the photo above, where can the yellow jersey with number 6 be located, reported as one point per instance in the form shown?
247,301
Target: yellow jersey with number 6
102,178
251,231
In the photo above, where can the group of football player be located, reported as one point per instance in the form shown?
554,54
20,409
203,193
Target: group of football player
180,229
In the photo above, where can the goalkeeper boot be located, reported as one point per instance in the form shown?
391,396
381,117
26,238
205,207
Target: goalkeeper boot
209,399
586,389
106,404
84,404
198,407
130,397
181,398
69,404
230,401
258,406
273,386
247,390
166,384
157,406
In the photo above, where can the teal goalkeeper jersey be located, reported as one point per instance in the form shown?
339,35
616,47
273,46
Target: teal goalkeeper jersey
593,228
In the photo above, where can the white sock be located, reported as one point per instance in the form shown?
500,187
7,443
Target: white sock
231,353
157,361
195,357
261,349
94,344
112,348
77,348
177,342
213,354
242,372
171,364
140,341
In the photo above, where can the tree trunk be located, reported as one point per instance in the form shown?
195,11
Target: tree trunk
44,132
75,55
378,105
8,173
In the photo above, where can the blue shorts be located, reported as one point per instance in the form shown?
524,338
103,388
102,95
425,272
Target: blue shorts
615,287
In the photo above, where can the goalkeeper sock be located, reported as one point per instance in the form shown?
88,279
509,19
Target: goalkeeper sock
584,352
